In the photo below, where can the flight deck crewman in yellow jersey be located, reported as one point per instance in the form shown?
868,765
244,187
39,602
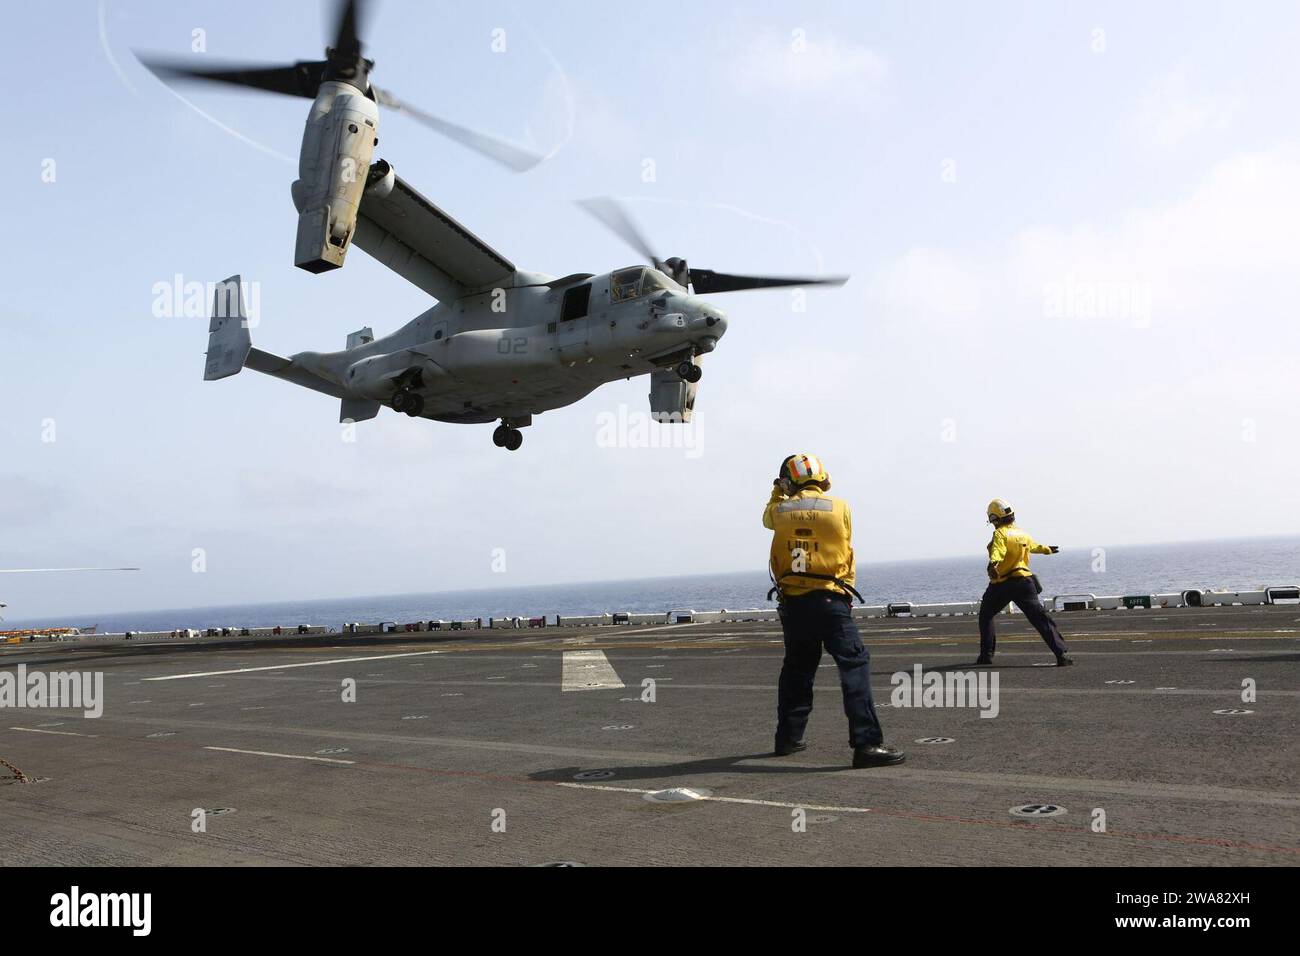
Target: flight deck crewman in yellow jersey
1011,580
813,570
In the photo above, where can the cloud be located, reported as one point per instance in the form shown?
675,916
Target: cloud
807,61
934,282
1186,418
283,492
27,503
821,375
1169,113
1224,253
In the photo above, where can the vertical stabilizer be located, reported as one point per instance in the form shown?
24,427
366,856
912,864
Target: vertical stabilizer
228,339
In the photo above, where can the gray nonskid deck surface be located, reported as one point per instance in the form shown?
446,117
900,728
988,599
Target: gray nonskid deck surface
451,734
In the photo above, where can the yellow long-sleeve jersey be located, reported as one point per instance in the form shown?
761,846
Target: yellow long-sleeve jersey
1009,553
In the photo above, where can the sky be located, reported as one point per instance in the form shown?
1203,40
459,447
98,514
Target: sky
1070,229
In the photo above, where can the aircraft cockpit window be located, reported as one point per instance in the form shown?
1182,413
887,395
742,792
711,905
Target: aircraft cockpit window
625,284
658,282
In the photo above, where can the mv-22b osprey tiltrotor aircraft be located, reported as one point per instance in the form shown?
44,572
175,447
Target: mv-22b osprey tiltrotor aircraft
501,343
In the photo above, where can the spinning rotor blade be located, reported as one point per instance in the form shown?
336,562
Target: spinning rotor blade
704,281
303,78
614,216
296,79
347,36
513,157
616,220
344,63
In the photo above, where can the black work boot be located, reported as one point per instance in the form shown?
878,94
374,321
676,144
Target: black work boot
785,748
984,659
877,756
1064,660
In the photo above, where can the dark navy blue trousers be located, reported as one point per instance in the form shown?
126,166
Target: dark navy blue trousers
810,623
1022,591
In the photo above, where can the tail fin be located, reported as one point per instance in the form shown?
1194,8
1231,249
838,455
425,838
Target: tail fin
228,340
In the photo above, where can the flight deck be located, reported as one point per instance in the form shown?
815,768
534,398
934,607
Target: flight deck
1173,741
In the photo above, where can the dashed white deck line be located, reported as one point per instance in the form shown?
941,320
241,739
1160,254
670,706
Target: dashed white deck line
588,670
57,733
663,627
264,753
285,667
715,799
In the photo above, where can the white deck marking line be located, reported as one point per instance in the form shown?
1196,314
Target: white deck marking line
588,670
663,627
590,756
264,753
712,799
881,681
285,667
57,733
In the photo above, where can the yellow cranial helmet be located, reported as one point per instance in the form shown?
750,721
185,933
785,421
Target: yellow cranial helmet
999,510
803,469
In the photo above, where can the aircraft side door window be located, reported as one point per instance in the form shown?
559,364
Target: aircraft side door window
576,302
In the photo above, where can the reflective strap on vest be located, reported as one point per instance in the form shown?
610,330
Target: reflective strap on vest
776,585
806,504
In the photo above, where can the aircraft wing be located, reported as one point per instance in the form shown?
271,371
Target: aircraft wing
424,245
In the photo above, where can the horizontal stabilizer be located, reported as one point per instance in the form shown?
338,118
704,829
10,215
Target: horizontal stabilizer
286,370
228,339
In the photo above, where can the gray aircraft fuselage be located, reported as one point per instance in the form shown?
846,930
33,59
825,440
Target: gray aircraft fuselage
514,351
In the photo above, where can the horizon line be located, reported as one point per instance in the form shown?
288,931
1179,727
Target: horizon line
622,580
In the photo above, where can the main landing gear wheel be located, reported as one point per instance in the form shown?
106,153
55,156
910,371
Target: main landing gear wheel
514,440
508,438
404,400
689,372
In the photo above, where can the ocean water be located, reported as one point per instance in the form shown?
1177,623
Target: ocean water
1146,569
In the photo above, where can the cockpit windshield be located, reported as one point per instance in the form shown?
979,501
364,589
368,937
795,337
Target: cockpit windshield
656,281
626,284
637,281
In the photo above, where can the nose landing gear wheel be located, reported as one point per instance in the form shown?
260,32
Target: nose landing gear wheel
689,372
414,405
508,438
400,399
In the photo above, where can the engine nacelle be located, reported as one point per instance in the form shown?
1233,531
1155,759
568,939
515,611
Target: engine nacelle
337,145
